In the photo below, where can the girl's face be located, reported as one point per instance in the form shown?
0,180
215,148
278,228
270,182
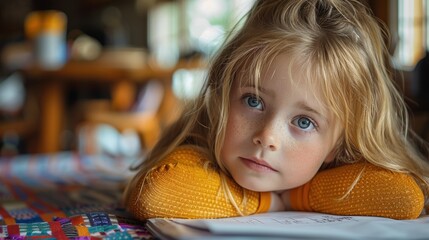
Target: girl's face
279,139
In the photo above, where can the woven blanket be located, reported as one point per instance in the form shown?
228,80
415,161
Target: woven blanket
65,196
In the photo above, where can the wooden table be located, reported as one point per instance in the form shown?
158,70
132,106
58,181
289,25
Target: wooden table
52,85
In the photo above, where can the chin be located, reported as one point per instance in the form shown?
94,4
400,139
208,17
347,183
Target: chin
254,187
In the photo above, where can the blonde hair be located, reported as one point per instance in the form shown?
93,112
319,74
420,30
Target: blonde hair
342,49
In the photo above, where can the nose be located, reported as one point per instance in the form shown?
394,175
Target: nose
267,138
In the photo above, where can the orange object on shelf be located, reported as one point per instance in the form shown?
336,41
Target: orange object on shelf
45,21
47,31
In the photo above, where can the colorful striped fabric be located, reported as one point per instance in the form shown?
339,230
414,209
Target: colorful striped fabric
65,196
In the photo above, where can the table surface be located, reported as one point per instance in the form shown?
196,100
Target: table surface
65,195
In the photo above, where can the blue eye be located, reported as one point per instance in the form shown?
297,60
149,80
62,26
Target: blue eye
253,102
304,123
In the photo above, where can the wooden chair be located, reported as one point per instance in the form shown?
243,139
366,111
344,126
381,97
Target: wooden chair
153,109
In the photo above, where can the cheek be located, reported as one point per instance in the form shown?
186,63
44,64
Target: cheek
306,158
304,163
231,134
237,127
237,136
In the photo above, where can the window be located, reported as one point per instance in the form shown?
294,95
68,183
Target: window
210,20
163,33
180,27
412,32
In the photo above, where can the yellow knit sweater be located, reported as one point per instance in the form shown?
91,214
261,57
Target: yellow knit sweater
185,186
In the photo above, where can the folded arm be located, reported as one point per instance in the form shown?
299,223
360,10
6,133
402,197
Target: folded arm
377,192
183,188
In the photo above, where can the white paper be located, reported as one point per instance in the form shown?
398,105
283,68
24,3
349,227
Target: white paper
300,225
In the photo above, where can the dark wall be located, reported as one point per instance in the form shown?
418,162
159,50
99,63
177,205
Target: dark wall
12,13
381,9
83,15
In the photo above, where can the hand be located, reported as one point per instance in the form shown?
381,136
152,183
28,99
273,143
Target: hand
276,203
285,196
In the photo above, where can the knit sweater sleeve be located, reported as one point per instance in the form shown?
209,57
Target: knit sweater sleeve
184,185
378,192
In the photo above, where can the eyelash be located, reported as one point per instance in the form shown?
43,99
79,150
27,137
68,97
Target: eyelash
312,122
246,98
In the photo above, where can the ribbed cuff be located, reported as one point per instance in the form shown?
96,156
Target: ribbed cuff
264,202
300,198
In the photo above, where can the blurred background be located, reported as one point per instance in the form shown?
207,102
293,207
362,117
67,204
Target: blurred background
106,76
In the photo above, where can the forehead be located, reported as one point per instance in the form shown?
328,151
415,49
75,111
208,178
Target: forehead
290,69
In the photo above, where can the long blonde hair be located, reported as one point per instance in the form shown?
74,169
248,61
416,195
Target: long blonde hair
342,49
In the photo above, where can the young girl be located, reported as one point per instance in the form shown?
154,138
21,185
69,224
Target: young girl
299,112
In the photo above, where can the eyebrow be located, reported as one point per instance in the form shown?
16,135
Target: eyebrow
261,89
303,105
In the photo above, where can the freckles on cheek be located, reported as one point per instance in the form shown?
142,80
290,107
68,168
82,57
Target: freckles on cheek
306,156
237,122
232,129
291,144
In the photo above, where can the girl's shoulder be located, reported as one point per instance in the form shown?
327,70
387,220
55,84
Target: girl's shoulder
186,163
187,155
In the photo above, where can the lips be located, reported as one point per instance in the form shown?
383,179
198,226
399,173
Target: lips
257,164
